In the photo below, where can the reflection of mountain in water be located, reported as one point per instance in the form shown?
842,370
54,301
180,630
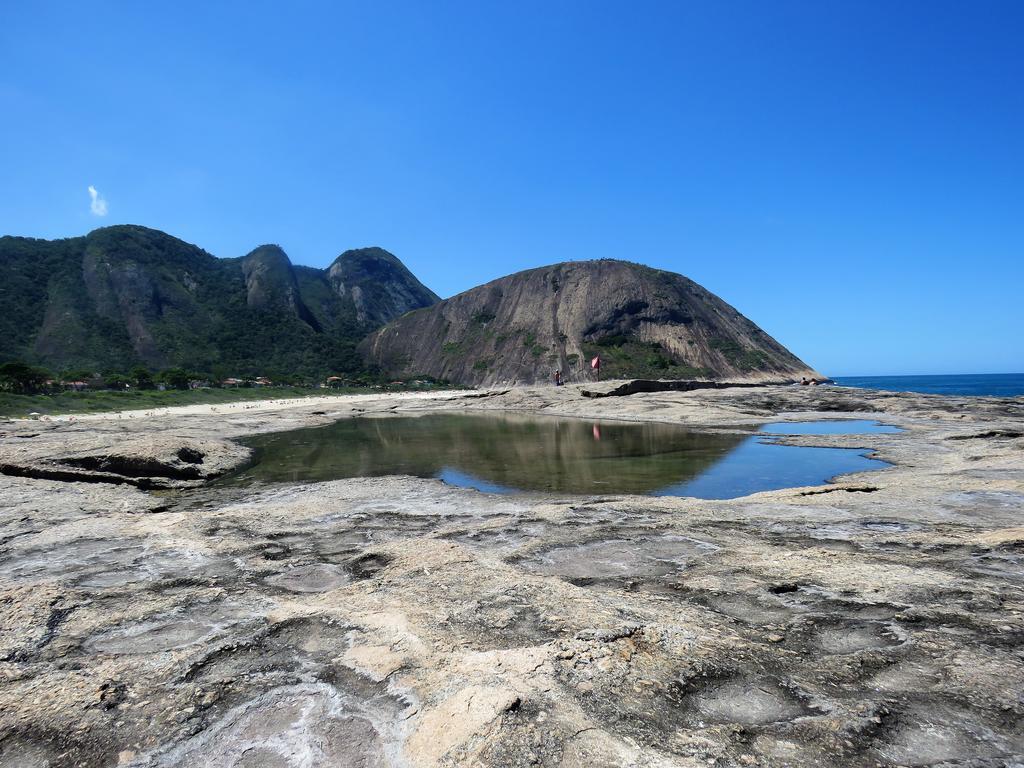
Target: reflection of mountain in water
523,453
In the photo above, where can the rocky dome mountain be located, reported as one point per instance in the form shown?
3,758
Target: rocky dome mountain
521,328
126,295
380,286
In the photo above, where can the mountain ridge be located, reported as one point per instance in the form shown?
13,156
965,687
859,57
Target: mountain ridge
126,295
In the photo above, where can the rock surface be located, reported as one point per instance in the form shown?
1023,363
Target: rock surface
150,461
641,321
402,622
378,285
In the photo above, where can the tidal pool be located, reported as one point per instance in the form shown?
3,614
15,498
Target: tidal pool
830,427
512,453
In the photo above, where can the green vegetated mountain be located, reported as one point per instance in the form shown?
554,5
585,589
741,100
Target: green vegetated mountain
642,322
127,295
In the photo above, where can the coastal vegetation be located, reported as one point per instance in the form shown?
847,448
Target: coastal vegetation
26,389
100,401
743,358
623,357
19,406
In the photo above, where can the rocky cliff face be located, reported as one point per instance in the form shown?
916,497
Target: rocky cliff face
521,328
378,285
270,282
126,295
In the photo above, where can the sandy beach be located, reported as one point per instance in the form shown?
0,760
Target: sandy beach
229,408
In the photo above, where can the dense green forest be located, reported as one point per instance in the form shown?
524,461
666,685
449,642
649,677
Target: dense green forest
127,296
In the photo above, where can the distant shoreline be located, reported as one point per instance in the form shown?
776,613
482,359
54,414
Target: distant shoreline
84,404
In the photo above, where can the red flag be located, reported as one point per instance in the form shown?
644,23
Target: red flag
596,363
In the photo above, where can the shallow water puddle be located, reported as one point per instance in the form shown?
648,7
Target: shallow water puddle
318,577
946,734
845,638
101,563
296,725
171,631
514,453
830,427
641,557
748,702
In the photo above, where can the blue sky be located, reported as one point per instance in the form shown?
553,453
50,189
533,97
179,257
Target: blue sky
849,175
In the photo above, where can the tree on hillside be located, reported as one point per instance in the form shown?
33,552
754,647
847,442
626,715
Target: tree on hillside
175,378
22,378
116,381
141,378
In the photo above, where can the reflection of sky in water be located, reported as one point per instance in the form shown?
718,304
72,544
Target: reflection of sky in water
515,453
757,465
840,427
455,477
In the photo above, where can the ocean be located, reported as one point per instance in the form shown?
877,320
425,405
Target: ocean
992,384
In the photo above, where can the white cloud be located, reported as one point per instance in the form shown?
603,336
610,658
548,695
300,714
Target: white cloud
98,206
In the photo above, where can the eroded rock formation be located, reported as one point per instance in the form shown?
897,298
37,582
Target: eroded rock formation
643,322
